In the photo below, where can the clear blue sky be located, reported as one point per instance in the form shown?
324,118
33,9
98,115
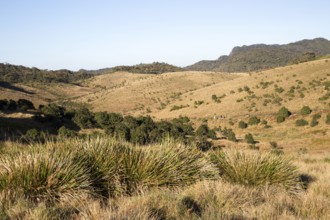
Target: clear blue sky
75,34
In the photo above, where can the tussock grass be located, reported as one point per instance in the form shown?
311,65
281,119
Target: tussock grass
44,175
255,169
72,179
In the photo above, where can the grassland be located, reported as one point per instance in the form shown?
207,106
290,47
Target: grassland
284,175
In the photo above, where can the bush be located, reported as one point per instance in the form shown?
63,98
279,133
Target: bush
203,130
64,132
282,114
203,144
52,112
254,120
229,134
327,121
314,123
273,145
305,110
301,122
24,104
280,119
242,125
255,169
249,138
32,135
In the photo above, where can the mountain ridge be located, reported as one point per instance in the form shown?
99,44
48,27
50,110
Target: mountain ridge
265,56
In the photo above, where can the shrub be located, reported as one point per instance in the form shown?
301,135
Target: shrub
242,125
52,111
254,120
203,144
314,123
255,169
24,104
203,130
229,134
280,119
327,120
32,134
249,138
305,110
273,145
282,114
301,122
65,132
316,116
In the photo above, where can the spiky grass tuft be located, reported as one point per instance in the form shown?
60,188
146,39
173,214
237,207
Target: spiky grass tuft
44,175
255,169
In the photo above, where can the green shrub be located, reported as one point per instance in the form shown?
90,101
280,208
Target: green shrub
249,138
327,120
316,116
242,125
254,120
280,119
203,130
255,169
65,132
229,134
32,135
24,104
301,122
305,110
282,114
313,123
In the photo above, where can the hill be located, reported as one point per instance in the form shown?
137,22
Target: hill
151,68
262,56
20,74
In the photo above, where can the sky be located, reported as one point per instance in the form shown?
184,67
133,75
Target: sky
86,34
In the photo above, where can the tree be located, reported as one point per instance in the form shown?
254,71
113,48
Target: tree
52,111
24,104
84,118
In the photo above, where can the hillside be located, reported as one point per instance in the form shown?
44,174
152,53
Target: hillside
262,56
20,74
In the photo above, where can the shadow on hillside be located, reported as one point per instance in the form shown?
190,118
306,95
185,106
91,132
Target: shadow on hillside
7,85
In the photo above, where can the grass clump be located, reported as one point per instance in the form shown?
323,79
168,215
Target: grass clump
44,175
255,169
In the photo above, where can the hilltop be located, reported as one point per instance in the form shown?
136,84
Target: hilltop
262,56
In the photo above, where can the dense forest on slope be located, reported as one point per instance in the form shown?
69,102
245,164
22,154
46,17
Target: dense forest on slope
21,74
262,56
153,68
